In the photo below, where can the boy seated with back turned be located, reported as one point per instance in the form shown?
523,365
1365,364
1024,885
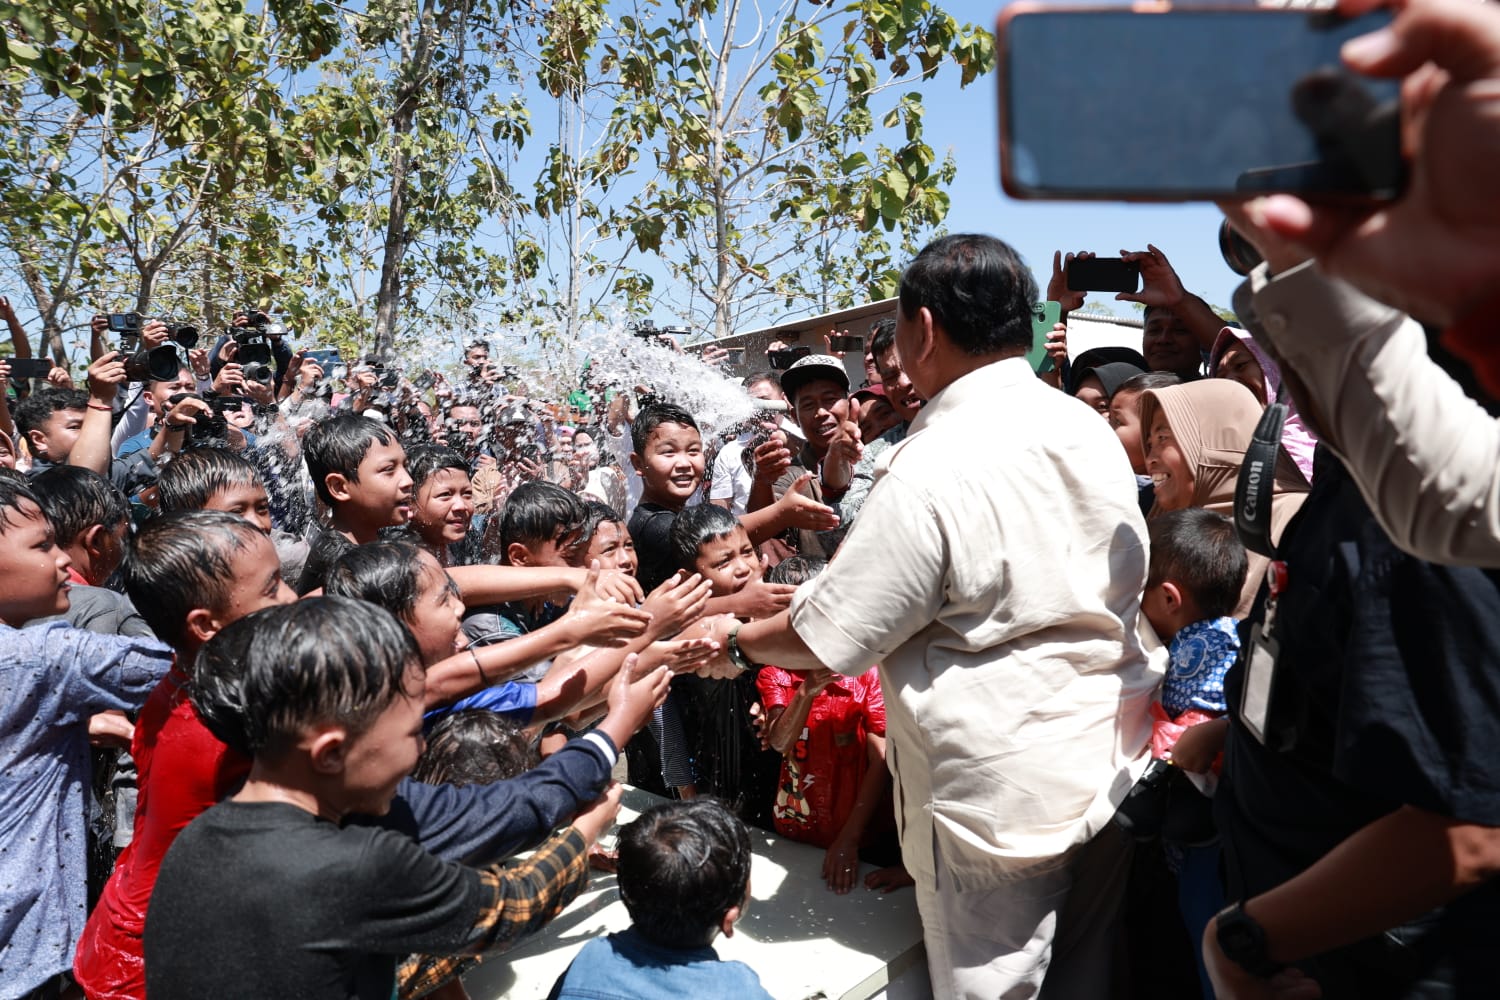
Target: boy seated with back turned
684,878
267,895
358,468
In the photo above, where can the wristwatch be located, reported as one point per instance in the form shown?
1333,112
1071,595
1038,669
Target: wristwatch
1243,941
736,654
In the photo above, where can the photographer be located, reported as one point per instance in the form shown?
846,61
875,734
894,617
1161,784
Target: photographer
246,327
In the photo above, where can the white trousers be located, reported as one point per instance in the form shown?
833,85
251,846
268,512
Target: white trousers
1056,935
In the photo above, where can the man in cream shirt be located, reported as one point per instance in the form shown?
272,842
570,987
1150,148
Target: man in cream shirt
995,574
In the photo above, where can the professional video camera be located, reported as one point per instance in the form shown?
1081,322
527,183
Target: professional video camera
254,351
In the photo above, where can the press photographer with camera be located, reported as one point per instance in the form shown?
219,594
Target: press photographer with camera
257,347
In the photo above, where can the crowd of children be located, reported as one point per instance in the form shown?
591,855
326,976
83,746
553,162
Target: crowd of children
257,627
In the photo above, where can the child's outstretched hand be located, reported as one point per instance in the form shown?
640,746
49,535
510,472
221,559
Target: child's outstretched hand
677,603
633,695
599,620
684,656
600,814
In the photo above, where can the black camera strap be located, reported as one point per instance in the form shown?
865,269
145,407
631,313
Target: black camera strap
1257,482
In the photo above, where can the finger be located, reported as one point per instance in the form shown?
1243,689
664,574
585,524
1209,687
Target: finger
1317,230
1449,35
1130,297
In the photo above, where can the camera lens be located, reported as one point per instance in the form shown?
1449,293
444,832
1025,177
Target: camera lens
257,372
186,335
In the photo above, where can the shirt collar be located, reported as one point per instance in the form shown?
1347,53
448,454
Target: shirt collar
976,385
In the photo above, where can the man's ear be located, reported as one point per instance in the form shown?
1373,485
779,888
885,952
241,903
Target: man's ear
327,748
38,442
927,336
517,554
637,464
337,485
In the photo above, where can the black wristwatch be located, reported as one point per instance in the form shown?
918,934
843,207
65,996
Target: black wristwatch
736,655
1243,941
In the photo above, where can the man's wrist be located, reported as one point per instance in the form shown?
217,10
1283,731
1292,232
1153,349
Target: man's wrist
1243,941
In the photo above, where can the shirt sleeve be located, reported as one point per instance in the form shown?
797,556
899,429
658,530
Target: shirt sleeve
1421,451
874,706
480,824
101,672
513,698
886,585
132,422
776,686
422,904
722,485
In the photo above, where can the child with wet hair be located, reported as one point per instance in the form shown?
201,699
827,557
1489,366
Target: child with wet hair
685,879
329,699
442,504
727,757
52,679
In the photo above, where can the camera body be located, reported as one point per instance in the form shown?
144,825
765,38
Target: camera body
205,428
253,353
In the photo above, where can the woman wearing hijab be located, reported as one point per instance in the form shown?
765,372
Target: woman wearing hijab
1237,357
1195,442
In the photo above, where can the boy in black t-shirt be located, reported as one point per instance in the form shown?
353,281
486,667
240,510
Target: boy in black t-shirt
358,469
668,457
267,895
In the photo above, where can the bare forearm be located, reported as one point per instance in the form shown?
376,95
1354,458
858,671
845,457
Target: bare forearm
788,723
497,584
91,450
763,524
773,640
762,495
1199,318
870,789
566,687
1391,871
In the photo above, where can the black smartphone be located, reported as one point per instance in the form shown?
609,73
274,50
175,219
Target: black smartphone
1103,274
784,359
846,343
1190,105
734,356
24,368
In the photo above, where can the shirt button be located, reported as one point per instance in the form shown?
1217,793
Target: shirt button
1276,322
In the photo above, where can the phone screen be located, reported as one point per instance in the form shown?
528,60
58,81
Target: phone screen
1193,104
1103,274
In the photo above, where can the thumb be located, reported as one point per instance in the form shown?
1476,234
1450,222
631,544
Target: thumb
800,482
590,579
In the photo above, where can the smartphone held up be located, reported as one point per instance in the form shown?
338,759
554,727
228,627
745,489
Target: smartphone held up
1189,104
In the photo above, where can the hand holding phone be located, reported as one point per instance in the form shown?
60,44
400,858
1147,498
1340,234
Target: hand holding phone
1161,286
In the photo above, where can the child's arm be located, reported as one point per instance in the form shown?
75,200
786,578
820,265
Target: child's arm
95,672
841,861
1199,746
497,584
786,726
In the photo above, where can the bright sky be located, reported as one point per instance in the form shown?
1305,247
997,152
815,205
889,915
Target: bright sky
966,123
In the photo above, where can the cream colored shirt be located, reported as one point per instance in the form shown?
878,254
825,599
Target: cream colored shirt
995,572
